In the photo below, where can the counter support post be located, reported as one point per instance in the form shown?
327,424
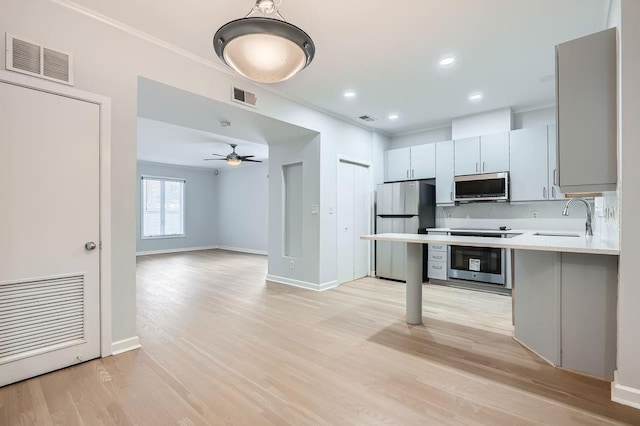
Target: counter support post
414,283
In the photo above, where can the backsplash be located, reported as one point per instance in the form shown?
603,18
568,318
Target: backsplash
546,215
607,217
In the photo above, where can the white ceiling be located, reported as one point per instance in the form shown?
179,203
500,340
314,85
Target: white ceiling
179,127
388,51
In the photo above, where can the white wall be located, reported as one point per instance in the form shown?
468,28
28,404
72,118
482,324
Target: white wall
535,118
418,138
200,208
242,208
108,61
626,387
485,123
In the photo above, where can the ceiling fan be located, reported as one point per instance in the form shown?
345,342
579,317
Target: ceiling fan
234,159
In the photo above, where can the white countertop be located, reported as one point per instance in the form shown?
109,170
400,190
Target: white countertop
526,240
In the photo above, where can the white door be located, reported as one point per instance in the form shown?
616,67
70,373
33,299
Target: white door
494,153
529,164
353,221
467,156
423,161
398,164
49,187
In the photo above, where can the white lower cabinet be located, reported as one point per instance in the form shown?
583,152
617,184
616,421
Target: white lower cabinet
437,259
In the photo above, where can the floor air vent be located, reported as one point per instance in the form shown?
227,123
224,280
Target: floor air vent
38,316
243,97
33,59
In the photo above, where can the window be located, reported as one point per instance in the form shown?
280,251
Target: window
162,207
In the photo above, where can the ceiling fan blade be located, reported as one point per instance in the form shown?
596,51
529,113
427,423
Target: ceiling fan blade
253,161
246,156
214,159
220,155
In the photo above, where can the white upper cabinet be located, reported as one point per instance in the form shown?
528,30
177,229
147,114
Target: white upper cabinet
586,110
556,192
416,162
467,156
482,154
398,164
423,161
444,172
494,153
529,164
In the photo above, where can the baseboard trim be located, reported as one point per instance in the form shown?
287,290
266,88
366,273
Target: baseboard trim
625,395
125,345
243,250
527,347
175,250
302,284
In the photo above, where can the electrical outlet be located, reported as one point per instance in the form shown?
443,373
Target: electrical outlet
292,264
534,215
449,215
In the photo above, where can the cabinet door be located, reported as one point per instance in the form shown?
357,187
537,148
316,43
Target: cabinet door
556,192
587,113
423,161
398,164
444,172
529,164
494,153
467,156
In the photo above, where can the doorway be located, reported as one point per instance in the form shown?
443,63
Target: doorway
354,220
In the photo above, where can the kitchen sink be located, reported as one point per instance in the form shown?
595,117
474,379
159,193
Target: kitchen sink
555,234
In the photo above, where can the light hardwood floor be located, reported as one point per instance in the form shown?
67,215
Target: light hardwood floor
222,347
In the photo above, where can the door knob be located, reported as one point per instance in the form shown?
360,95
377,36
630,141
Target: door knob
90,246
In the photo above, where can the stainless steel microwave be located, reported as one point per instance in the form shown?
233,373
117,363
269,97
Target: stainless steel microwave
483,187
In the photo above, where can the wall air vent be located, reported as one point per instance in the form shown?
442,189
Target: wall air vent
367,118
243,97
33,59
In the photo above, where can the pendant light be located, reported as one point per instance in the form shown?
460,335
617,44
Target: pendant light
264,49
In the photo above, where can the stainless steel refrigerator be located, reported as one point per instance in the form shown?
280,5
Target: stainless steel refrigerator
401,207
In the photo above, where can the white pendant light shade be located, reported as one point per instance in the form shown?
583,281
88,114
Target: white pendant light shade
264,49
234,161
265,58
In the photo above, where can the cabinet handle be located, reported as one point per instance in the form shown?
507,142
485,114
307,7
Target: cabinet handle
407,173
553,191
413,173
451,195
484,168
477,167
555,179
436,267
544,192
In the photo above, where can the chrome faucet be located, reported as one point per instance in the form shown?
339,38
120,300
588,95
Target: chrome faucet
565,212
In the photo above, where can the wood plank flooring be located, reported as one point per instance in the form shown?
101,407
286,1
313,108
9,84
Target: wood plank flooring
222,347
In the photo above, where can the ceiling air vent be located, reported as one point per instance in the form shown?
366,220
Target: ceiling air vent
33,59
243,97
367,118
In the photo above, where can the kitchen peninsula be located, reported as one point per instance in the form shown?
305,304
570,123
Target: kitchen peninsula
565,292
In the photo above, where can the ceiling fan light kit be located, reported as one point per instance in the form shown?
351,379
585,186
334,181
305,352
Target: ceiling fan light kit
234,159
264,49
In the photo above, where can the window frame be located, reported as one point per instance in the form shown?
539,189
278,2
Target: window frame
162,179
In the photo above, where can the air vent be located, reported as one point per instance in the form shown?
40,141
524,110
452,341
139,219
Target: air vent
367,118
243,97
33,59
40,315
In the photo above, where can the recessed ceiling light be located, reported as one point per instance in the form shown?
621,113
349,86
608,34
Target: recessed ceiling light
349,94
475,97
446,61
393,116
